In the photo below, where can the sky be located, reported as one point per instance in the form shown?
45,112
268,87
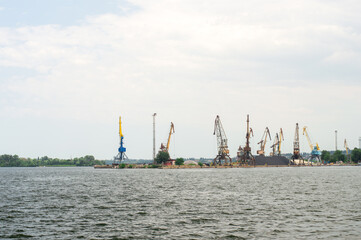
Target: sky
69,69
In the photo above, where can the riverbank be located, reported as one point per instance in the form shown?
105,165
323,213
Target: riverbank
145,166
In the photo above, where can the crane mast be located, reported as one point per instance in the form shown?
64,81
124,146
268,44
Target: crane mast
264,141
222,146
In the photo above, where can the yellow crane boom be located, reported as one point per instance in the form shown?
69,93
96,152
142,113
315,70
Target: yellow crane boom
308,137
170,134
120,127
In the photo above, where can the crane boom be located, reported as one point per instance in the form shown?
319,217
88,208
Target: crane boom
170,134
120,127
308,137
165,148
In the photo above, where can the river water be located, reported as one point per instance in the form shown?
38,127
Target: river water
256,203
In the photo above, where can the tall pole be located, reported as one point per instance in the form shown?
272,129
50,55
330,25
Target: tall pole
336,140
154,137
359,142
248,133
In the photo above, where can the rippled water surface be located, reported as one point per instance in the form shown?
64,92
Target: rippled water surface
257,203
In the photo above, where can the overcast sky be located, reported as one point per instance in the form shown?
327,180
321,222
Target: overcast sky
69,69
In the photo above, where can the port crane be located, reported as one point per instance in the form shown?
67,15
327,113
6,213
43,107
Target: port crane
347,149
165,148
264,141
223,152
274,145
281,139
277,143
296,147
315,150
121,150
244,155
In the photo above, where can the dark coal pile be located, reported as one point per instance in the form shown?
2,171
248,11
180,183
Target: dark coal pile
272,160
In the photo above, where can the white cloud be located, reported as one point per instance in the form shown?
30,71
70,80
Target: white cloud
189,61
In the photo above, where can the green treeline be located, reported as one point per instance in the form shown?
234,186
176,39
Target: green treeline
338,156
16,161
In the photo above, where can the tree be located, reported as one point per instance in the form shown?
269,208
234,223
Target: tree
338,156
179,161
162,157
325,156
356,155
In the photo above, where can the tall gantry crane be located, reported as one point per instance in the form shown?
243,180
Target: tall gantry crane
121,150
165,148
244,155
264,141
296,147
315,150
223,152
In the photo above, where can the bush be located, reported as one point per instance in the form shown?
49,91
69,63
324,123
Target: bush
338,156
179,161
356,155
122,165
162,157
200,164
326,156
130,166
